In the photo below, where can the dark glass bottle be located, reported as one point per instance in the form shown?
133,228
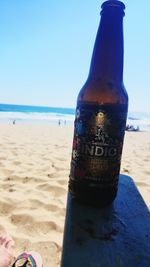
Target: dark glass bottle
101,114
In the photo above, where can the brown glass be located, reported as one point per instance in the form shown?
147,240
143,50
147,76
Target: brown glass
104,86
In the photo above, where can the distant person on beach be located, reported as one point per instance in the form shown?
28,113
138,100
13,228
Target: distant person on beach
132,128
26,259
14,122
59,122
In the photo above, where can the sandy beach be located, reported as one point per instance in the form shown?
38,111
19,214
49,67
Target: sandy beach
34,170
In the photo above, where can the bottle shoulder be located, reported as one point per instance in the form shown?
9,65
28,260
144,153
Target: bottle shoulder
103,92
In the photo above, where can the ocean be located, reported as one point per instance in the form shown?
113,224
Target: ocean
36,114
54,115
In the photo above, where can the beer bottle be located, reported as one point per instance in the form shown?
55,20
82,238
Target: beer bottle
101,114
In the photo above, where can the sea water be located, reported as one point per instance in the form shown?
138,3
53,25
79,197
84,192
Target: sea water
55,115
36,114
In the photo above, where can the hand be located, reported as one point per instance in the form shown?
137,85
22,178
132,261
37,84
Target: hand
6,250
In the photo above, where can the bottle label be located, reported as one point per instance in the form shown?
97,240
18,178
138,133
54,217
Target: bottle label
97,144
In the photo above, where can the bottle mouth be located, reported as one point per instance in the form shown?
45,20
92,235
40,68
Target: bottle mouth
113,3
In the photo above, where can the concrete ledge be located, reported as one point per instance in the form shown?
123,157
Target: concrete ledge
117,236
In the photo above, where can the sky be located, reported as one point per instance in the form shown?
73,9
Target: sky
46,48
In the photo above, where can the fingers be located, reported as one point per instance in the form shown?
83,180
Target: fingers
6,241
2,239
10,244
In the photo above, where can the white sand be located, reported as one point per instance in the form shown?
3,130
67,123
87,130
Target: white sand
34,170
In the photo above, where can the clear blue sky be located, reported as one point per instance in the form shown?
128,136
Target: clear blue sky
46,48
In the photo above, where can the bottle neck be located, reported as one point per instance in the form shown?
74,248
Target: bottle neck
107,58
